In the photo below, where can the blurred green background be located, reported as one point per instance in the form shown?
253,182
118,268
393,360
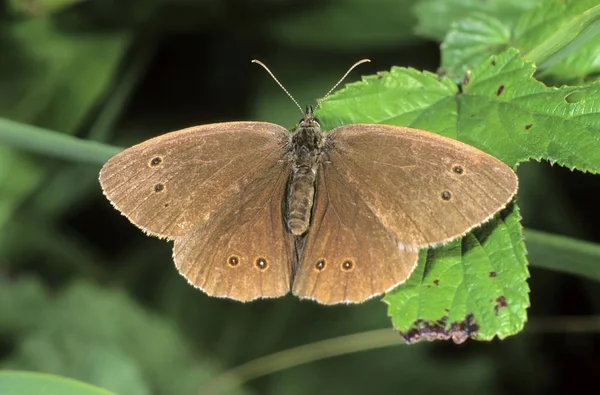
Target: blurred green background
85,294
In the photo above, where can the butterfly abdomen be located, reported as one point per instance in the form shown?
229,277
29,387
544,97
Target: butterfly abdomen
300,199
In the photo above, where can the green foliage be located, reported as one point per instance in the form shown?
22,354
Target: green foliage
436,17
47,73
342,25
75,334
23,383
85,298
558,36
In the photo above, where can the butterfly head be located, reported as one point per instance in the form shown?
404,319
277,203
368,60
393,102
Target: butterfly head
309,120
308,134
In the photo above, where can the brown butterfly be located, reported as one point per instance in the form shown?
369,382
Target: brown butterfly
256,211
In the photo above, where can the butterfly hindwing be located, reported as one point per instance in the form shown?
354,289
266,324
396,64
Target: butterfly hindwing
243,252
348,256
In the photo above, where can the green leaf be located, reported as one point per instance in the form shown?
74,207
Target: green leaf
399,97
473,287
437,16
104,338
26,383
406,97
505,112
472,40
509,114
561,36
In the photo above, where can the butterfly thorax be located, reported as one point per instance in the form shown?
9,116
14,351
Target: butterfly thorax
307,144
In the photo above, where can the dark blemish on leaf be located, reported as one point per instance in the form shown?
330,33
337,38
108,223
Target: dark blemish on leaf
436,282
528,126
500,90
493,62
440,330
411,336
380,76
166,205
500,304
446,195
159,187
347,266
492,274
467,78
447,310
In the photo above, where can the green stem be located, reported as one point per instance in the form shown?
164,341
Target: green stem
566,39
366,341
303,354
563,254
47,142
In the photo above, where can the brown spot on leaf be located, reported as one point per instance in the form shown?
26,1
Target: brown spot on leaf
493,62
500,304
493,274
500,90
436,282
440,330
467,78
528,126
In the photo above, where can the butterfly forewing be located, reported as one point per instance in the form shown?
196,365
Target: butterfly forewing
243,252
424,188
349,256
171,184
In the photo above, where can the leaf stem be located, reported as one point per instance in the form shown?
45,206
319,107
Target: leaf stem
566,39
48,142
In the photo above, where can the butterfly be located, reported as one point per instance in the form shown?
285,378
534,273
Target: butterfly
255,211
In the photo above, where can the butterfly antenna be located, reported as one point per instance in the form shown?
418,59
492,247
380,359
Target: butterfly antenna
342,79
278,83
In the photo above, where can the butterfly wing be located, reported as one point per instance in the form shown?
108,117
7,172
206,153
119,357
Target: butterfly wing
424,188
348,255
171,184
243,251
